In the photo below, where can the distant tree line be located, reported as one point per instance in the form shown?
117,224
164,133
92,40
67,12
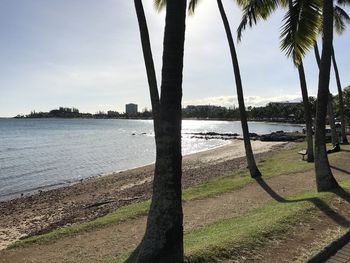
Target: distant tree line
71,113
292,112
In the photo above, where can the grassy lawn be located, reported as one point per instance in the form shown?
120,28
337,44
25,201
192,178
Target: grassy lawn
251,231
285,162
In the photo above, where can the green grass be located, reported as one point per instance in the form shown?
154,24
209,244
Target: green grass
284,162
122,214
234,236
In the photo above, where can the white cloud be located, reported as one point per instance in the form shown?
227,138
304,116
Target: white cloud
230,101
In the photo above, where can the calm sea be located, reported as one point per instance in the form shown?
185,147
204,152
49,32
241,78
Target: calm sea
45,153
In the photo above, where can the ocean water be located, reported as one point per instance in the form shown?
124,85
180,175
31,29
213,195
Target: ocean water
45,153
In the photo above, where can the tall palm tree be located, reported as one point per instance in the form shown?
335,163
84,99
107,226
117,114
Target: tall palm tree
295,40
163,239
148,58
324,178
253,169
335,139
330,111
298,46
340,19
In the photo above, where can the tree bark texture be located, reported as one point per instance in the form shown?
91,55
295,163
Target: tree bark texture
341,100
329,105
307,110
148,58
335,139
324,178
254,171
163,239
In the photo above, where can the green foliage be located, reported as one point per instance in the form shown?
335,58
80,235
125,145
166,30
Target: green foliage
301,27
340,19
346,98
255,10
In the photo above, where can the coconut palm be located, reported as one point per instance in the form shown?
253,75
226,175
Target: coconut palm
253,169
330,111
324,178
148,58
163,239
300,25
311,18
340,19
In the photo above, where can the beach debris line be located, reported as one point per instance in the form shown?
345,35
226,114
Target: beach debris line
108,201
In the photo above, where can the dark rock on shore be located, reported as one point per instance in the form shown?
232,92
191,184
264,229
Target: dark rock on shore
213,135
281,136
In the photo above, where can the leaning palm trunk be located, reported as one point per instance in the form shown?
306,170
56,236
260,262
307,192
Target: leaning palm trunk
324,178
254,171
163,239
307,110
341,101
307,114
148,58
335,139
330,110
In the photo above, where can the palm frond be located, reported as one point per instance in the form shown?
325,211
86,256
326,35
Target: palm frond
341,18
343,2
159,5
301,27
192,6
254,10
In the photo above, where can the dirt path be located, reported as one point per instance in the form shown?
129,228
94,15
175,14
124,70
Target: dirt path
116,239
41,213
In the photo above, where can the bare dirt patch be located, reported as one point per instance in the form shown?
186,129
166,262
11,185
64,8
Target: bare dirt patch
48,210
117,239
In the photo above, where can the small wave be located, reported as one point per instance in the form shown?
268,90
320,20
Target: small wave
19,176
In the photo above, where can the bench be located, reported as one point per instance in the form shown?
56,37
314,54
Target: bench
303,153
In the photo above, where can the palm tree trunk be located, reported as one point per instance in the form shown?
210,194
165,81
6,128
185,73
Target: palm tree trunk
324,178
330,104
254,171
335,139
341,101
148,58
317,55
163,239
307,110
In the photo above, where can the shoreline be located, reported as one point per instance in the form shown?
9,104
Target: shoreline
31,192
48,210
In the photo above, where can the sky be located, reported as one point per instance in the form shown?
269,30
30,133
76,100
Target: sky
87,54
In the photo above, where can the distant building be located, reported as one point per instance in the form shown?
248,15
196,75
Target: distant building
131,108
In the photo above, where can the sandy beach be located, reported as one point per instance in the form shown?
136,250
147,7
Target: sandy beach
91,198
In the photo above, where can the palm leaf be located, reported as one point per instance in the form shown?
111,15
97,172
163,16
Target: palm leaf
192,6
254,10
159,4
341,18
301,27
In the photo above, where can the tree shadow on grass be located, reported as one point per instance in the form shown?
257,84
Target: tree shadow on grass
339,169
320,204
